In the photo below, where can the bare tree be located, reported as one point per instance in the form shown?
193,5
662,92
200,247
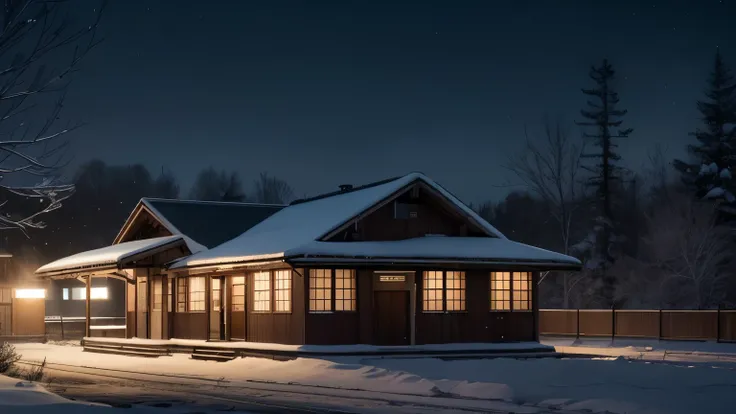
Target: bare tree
686,243
551,170
212,185
39,51
272,190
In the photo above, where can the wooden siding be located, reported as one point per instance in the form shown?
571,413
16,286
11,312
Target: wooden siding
144,226
275,327
28,317
190,325
477,323
432,218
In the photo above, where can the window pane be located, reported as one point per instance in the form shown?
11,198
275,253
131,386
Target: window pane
432,291
320,292
238,293
196,294
345,290
455,291
522,291
181,294
282,291
262,292
500,291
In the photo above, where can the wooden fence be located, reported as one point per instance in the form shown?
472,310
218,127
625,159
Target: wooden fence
702,325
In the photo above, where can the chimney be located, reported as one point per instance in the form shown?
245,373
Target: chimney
346,187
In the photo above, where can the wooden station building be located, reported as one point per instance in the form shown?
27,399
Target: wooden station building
396,262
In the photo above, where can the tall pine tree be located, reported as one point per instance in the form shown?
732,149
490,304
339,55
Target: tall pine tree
714,156
600,117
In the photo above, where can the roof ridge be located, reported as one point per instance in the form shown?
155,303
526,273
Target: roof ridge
340,192
207,202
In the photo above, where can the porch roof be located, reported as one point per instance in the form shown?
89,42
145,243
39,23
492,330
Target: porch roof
115,257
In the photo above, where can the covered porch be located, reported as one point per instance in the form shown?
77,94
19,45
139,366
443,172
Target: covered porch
138,263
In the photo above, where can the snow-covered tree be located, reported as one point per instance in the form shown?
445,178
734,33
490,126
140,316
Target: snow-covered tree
35,38
212,185
601,117
550,169
710,172
272,190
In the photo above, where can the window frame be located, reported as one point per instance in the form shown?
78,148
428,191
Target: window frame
238,307
463,291
276,288
269,299
203,292
332,289
512,281
182,291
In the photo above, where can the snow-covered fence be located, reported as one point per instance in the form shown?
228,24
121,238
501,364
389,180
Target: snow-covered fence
66,327
705,325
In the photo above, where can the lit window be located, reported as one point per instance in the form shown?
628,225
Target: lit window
500,291
262,292
80,293
30,293
196,294
345,290
432,292
282,290
238,294
522,291
443,291
454,291
320,290
65,294
181,294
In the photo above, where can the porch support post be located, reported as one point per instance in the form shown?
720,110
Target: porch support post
535,305
88,309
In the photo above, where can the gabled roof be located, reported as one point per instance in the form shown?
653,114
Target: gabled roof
209,223
311,220
116,256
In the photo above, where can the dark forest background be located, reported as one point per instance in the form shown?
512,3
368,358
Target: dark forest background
659,237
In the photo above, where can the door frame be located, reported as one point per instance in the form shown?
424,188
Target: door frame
221,279
408,285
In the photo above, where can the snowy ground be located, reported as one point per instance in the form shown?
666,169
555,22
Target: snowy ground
614,385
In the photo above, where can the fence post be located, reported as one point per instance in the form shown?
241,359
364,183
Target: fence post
577,326
659,337
718,324
613,322
61,321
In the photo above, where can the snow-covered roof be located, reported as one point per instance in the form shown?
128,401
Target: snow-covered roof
303,223
115,255
437,248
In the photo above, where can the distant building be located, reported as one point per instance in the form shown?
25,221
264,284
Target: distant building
396,262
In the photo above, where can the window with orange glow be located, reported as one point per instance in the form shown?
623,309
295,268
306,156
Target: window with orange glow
345,290
282,290
432,291
522,291
196,294
443,291
30,293
320,290
500,291
238,295
454,291
262,292
181,294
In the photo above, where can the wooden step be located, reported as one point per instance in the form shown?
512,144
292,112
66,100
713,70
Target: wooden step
125,346
221,355
123,351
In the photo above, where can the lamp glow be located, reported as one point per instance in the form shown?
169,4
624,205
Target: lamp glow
30,293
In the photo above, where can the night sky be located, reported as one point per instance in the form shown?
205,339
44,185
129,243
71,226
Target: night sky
324,93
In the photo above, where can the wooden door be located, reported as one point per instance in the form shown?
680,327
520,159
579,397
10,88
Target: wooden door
498,328
391,316
217,314
238,308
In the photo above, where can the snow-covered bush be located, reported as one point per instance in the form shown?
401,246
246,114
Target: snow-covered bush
8,357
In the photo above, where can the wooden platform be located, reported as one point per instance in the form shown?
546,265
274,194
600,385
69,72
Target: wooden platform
226,351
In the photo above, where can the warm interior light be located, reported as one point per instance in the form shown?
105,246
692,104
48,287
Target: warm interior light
98,293
30,293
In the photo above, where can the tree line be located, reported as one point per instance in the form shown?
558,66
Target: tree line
106,194
662,237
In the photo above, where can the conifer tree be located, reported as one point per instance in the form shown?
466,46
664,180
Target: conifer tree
600,117
713,158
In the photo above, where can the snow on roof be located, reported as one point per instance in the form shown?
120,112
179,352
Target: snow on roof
436,247
302,223
115,254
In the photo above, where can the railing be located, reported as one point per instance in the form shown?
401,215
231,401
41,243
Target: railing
703,325
65,327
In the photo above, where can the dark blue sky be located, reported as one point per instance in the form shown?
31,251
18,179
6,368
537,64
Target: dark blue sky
324,93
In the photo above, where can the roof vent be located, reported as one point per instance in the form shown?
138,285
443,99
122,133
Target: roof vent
346,187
